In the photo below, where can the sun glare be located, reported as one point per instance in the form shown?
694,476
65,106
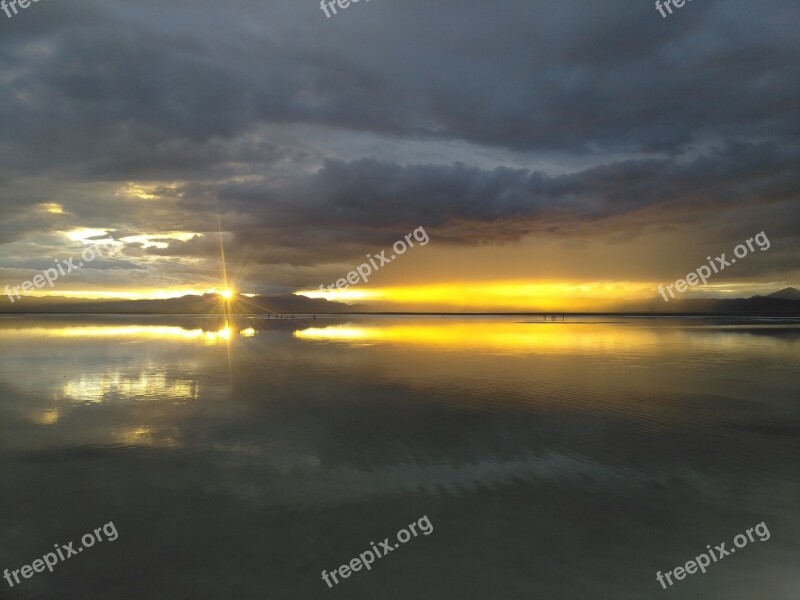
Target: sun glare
495,295
227,294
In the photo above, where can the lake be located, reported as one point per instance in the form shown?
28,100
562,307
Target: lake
240,458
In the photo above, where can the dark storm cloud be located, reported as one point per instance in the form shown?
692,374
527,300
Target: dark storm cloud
523,75
349,207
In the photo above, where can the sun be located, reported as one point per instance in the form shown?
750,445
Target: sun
227,294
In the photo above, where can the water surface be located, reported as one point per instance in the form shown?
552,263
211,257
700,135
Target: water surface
240,458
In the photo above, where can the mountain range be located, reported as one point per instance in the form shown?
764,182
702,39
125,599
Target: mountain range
782,302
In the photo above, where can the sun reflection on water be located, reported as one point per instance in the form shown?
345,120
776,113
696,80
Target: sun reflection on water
148,385
48,416
504,337
144,332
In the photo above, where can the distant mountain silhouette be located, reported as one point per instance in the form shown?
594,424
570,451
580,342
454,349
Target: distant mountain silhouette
788,293
784,302
757,305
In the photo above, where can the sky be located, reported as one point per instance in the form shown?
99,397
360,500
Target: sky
557,155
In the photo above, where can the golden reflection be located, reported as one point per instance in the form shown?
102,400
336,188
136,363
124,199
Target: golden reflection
506,337
133,435
49,416
148,385
212,337
145,332
249,332
145,436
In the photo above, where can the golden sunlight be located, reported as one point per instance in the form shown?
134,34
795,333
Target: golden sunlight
520,296
160,240
145,294
345,296
54,208
84,233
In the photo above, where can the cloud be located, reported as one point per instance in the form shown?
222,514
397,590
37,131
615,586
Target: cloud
374,200
185,79
316,140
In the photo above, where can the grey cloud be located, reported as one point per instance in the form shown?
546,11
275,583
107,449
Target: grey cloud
349,208
520,75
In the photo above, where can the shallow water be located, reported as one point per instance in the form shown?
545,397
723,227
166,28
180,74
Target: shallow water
553,460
